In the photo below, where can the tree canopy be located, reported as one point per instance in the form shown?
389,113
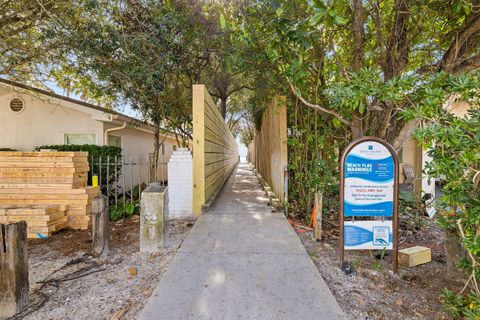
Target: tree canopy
350,68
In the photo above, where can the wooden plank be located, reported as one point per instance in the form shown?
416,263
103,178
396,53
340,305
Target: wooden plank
42,196
198,148
414,256
317,234
57,160
43,154
38,186
43,201
37,190
40,209
41,165
34,218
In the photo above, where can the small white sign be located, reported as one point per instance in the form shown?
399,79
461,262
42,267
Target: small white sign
361,235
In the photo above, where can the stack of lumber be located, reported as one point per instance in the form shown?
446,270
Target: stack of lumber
48,178
42,220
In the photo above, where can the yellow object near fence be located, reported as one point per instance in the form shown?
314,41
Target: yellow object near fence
94,181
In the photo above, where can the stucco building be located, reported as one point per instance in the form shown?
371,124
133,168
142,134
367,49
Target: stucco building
33,117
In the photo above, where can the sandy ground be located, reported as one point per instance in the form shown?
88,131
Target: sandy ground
66,282
375,292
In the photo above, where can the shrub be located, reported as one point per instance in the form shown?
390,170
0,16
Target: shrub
7,149
92,149
120,211
107,155
454,145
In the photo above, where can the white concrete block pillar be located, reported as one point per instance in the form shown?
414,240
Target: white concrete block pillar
180,183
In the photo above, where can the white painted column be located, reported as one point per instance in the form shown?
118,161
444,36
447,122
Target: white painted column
180,183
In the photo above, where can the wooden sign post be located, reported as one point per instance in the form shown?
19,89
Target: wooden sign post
369,191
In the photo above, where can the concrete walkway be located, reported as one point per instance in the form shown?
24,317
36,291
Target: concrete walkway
241,261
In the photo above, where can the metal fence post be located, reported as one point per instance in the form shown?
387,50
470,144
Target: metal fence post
116,180
108,176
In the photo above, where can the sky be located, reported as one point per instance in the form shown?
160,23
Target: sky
242,149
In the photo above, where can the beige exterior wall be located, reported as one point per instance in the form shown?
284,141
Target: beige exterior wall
41,122
407,156
135,143
45,120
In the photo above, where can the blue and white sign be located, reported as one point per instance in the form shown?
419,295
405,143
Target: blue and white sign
369,173
368,235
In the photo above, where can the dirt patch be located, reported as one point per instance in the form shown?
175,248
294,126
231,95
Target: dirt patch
375,292
66,282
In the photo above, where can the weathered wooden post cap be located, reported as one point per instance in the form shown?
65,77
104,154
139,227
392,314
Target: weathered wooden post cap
14,286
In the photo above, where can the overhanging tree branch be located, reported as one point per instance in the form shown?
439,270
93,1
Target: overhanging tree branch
467,65
317,107
455,52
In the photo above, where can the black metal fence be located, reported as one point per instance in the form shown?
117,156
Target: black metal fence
122,179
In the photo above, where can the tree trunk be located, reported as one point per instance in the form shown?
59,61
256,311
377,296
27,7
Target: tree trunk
357,127
223,106
156,152
357,35
398,43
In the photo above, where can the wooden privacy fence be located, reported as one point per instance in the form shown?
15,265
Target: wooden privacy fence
268,151
215,151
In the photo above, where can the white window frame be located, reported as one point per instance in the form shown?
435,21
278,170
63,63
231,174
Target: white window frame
117,136
82,132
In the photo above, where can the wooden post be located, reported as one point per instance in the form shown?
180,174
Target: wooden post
100,226
198,148
282,141
14,286
317,235
417,171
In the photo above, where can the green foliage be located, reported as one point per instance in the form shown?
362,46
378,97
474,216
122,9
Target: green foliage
92,149
121,211
127,205
377,265
461,306
455,148
31,36
311,162
99,157
411,212
7,149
